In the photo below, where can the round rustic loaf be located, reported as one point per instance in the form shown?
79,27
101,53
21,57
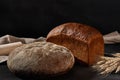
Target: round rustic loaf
40,59
85,42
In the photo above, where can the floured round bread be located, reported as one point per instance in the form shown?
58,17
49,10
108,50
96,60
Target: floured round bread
40,59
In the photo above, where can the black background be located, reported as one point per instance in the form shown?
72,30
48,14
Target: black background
34,18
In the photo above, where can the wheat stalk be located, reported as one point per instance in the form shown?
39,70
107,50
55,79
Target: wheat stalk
107,65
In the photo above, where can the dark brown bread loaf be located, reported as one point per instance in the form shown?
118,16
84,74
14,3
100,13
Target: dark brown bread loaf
40,59
85,42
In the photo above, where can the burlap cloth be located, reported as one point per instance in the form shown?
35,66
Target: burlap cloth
10,39
112,38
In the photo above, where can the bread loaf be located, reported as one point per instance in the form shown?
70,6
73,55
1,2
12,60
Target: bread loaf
40,60
85,42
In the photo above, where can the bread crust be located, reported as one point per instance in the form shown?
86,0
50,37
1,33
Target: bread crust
40,59
85,42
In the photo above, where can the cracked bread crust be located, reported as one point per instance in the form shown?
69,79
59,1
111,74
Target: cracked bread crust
85,42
